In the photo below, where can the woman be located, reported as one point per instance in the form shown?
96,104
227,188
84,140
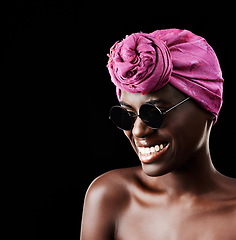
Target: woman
169,85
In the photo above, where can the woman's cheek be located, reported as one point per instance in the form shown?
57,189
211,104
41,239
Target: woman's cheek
128,134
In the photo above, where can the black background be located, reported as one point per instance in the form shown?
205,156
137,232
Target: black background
54,57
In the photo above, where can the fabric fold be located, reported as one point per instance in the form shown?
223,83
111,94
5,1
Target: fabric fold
143,63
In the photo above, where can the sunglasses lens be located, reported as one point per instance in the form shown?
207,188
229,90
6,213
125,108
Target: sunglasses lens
151,116
120,117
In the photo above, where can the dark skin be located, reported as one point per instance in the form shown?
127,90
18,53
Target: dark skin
179,195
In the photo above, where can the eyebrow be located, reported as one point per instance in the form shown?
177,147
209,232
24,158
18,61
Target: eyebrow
125,104
154,101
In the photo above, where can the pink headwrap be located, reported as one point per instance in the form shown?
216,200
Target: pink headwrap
144,63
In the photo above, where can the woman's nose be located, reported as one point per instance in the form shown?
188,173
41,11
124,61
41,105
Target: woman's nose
140,129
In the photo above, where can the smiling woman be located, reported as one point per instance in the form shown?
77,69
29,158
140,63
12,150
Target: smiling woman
181,126
169,85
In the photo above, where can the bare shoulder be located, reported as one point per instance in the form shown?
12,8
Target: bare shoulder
230,202
104,200
228,195
113,186
229,184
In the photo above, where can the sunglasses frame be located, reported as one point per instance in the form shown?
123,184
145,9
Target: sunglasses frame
138,115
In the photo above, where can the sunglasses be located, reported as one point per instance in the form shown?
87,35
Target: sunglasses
151,115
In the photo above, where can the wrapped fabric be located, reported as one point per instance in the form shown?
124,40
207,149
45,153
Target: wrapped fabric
144,63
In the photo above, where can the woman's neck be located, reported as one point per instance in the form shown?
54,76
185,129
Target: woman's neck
196,177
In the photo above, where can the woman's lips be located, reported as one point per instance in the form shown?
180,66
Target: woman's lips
149,154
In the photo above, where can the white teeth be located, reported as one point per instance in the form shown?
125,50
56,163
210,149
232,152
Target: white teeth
146,150
157,148
151,150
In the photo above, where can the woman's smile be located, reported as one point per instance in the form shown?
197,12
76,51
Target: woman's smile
153,153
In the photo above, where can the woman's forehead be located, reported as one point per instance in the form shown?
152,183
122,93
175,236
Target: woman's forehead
167,94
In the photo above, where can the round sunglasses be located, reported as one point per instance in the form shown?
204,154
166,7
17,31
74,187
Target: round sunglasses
151,115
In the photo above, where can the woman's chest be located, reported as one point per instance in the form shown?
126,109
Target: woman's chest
163,223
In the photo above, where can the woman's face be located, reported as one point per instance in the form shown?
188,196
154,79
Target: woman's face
184,133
